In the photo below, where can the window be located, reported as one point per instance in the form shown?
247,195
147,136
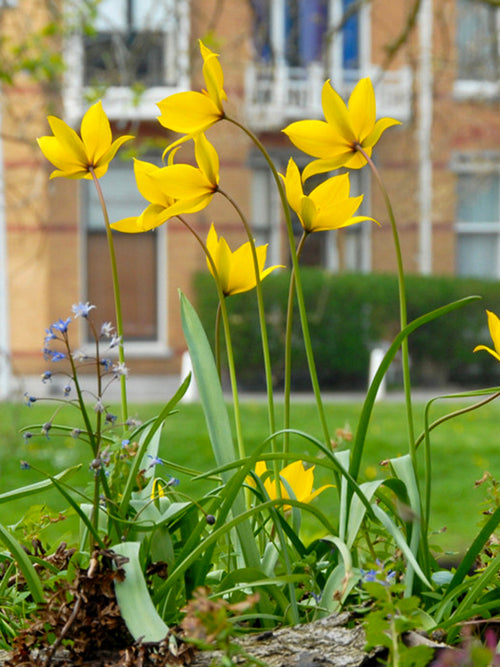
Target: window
139,257
297,31
128,46
135,50
477,36
478,224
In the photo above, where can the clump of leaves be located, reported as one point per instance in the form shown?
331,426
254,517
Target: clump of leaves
208,624
81,614
391,616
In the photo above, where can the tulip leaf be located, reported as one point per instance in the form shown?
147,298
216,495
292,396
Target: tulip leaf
21,557
32,489
371,395
216,416
136,606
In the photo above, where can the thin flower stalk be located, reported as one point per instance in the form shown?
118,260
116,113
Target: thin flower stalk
227,334
262,317
403,317
288,350
116,294
298,282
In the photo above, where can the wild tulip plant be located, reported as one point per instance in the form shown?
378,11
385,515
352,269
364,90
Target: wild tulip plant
242,536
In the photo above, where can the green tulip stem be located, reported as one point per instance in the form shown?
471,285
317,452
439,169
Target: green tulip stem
116,294
402,304
288,351
227,334
262,315
217,341
298,281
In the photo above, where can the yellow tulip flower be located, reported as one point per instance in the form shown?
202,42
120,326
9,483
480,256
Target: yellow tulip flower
236,270
336,141
75,156
494,327
299,479
175,189
329,205
192,112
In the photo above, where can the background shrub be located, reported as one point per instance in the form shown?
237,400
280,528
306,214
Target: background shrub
349,315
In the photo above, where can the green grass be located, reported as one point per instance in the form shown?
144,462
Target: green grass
463,449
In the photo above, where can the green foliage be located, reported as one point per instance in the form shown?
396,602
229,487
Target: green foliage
351,314
390,616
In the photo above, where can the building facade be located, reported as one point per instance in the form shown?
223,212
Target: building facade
434,65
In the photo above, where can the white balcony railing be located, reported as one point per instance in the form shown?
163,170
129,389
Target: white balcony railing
275,95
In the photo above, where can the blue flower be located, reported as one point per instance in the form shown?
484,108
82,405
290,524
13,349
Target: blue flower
49,335
155,461
27,435
52,355
24,465
46,376
110,419
107,363
61,325
82,309
107,329
29,400
173,481
67,390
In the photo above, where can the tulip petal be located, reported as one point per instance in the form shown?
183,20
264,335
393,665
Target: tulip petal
69,140
293,186
188,113
96,133
362,110
330,164
127,225
494,327
214,80
316,138
380,126
207,159
337,116
488,349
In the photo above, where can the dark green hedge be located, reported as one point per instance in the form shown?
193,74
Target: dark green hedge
350,314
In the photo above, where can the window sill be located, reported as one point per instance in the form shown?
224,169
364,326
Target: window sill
121,103
476,90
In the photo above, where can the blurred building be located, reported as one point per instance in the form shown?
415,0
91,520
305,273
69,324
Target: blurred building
435,69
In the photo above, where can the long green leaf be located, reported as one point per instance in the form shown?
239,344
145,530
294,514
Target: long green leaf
136,607
216,416
371,395
393,530
134,468
21,557
32,489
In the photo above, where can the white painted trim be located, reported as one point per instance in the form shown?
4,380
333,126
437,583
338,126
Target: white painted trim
120,103
425,138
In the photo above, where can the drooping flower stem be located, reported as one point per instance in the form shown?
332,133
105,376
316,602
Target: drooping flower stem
116,294
402,305
298,281
227,334
262,315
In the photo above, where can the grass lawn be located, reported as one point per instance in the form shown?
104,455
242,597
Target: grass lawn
463,449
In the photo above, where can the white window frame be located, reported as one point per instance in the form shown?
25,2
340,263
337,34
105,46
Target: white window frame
120,102
475,164
148,348
464,89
